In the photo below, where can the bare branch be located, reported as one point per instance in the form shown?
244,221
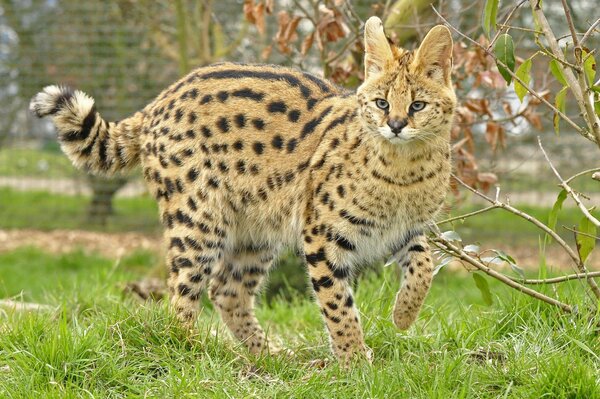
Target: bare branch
467,215
589,32
556,280
570,23
459,253
568,189
585,172
581,232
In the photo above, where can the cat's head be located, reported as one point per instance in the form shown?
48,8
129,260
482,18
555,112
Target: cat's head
407,96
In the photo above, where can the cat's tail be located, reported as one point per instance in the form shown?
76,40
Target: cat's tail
89,141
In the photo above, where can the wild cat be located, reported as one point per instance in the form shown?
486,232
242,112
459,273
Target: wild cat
245,160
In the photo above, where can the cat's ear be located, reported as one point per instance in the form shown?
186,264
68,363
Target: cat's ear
434,56
377,49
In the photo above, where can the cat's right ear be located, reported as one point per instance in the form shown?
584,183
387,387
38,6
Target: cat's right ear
377,49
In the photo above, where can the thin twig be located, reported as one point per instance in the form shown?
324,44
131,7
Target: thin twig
459,253
505,24
585,172
568,188
580,232
589,32
570,23
521,29
467,215
555,280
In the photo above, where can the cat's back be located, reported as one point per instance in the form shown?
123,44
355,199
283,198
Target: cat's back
237,136
266,89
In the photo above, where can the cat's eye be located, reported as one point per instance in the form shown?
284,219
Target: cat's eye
417,106
382,104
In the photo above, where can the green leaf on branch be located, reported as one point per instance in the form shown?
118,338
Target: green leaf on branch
553,216
451,235
511,261
586,242
489,16
523,73
559,103
557,72
504,49
484,288
597,108
589,67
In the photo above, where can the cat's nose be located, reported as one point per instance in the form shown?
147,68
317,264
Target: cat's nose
397,125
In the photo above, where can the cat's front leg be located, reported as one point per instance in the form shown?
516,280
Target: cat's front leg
417,268
331,284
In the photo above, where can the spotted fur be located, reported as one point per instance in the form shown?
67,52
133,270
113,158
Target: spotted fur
247,159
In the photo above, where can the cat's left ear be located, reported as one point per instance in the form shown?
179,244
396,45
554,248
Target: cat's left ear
434,56
378,52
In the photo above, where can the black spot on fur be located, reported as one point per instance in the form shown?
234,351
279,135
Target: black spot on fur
294,115
291,145
240,120
277,106
323,282
222,96
277,142
223,124
238,145
258,147
259,124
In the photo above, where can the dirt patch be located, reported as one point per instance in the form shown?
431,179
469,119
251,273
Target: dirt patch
116,245
108,245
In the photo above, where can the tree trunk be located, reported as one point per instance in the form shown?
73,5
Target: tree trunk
101,206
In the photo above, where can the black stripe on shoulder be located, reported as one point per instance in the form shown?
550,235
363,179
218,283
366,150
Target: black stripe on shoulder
263,75
322,84
249,94
337,121
311,125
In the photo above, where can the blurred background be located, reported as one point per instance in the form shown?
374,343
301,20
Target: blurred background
124,52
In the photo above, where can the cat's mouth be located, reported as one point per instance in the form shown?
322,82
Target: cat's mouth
405,136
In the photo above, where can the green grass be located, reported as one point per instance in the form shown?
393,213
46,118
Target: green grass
45,163
102,344
45,211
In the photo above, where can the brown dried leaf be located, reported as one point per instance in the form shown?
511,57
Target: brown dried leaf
492,79
491,134
290,30
486,180
269,6
307,43
266,53
331,25
534,119
283,20
249,11
507,108
259,16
